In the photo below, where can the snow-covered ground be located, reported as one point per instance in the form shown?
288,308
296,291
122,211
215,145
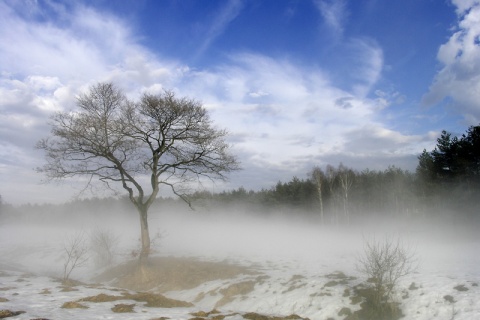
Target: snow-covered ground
296,261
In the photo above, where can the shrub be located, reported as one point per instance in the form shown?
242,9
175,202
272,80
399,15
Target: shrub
75,254
103,243
385,263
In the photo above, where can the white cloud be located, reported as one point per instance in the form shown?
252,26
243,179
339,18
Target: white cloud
283,117
373,139
465,5
334,13
258,94
459,78
48,63
302,117
43,49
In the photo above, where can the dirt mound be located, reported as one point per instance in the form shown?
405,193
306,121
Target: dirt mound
170,273
151,299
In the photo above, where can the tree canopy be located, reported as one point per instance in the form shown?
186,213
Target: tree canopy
453,159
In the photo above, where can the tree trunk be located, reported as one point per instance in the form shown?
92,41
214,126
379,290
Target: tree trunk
145,235
346,213
320,200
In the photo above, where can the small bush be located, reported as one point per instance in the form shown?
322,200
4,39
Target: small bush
104,244
384,263
155,244
75,254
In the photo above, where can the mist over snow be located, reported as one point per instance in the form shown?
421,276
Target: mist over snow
280,247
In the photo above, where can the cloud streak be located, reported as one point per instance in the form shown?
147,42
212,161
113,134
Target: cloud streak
334,14
220,22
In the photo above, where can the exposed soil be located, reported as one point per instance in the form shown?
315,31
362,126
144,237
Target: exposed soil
461,287
151,299
46,291
216,315
102,297
73,305
8,313
256,316
363,294
235,289
170,273
157,300
123,308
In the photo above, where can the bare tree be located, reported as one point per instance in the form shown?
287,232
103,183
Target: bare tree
170,140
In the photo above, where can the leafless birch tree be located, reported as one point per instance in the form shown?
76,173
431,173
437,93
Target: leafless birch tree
345,177
318,177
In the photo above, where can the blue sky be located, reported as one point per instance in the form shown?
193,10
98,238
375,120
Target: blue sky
369,83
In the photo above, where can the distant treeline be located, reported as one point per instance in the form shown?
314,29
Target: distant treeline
445,183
